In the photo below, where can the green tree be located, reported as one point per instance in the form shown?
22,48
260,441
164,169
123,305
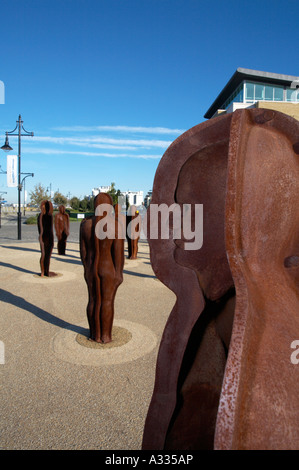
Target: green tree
84,204
90,205
39,194
59,199
114,193
75,203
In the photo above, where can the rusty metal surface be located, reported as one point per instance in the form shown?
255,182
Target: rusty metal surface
224,379
133,228
62,229
103,261
46,237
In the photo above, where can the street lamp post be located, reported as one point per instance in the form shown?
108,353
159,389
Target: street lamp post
6,147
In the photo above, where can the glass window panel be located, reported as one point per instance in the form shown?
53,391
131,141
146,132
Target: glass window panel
291,94
249,91
268,92
278,94
259,92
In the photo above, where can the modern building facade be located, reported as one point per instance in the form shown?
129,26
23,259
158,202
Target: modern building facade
148,198
255,89
135,198
100,189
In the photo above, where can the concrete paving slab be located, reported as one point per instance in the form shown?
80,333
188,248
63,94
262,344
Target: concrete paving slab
55,392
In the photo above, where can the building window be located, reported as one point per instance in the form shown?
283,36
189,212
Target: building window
268,93
292,94
236,97
249,94
278,93
261,92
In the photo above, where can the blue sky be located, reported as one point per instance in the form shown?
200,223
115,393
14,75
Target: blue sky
107,85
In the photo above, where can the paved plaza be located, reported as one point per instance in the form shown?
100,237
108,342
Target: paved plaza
56,391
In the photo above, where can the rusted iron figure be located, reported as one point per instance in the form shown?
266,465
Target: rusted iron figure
103,261
62,228
121,219
224,378
133,220
46,236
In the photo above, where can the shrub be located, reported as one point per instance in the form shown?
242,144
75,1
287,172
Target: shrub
31,220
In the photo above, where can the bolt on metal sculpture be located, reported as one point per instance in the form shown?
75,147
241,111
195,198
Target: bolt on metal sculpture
46,237
103,261
224,379
133,227
62,229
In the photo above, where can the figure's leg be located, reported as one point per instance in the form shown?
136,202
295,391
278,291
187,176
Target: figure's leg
48,252
129,247
134,249
109,288
97,309
61,246
42,260
62,243
90,309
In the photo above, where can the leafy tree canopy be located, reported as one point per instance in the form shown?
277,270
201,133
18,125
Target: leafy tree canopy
75,203
38,194
59,199
114,193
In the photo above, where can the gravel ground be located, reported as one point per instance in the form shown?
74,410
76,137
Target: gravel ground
56,392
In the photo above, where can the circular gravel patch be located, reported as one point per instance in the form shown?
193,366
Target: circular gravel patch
120,336
67,348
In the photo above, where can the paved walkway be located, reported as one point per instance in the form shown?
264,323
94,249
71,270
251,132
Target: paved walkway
57,393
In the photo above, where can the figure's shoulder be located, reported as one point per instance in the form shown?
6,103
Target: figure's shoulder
86,224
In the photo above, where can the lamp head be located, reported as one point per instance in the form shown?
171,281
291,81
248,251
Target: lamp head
6,147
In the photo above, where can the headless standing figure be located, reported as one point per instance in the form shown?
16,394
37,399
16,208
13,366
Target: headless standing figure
103,262
46,236
62,228
133,231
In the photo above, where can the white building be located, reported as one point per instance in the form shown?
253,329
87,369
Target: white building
148,198
135,198
100,189
255,89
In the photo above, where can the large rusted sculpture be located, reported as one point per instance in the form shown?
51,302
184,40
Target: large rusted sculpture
62,229
103,261
133,228
224,378
46,236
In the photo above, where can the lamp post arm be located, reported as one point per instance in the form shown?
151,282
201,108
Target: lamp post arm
23,180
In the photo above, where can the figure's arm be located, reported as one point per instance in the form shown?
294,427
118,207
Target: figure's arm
56,223
118,252
40,225
67,224
138,226
82,244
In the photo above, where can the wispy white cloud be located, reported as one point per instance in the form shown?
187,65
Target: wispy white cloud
48,151
133,129
103,140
